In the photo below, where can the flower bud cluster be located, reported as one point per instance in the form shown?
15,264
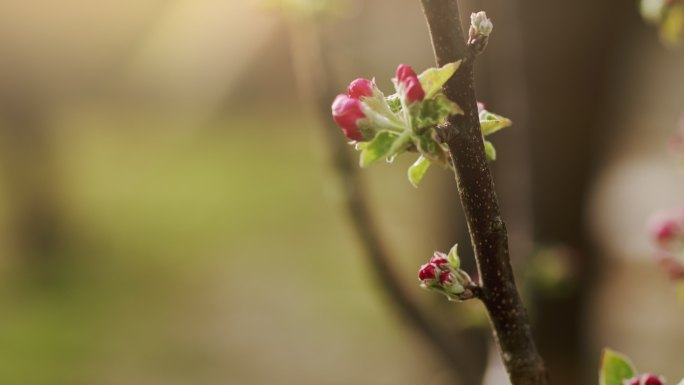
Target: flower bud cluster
645,379
363,111
666,229
442,274
385,127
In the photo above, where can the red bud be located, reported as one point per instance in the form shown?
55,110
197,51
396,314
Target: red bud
405,72
651,379
346,112
439,260
408,77
427,271
446,278
360,87
414,91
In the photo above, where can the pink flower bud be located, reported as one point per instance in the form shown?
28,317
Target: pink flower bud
440,260
631,381
414,91
663,228
405,72
651,379
346,112
441,263
408,77
360,87
427,271
446,278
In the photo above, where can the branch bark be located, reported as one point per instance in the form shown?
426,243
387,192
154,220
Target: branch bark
476,190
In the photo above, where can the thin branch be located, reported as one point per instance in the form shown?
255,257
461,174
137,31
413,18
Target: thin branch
478,198
313,76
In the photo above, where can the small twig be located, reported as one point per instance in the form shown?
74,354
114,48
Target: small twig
478,198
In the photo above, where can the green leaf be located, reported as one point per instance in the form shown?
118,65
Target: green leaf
417,170
453,258
435,111
429,146
491,123
490,151
379,148
433,79
615,368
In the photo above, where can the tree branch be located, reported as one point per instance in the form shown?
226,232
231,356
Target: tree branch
478,198
313,76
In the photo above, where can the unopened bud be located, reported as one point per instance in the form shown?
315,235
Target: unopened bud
427,272
478,34
446,278
480,25
440,260
413,90
360,87
651,379
347,112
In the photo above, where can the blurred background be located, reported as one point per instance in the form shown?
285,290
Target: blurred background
170,212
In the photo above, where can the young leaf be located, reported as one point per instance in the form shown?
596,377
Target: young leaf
490,151
417,170
435,111
492,123
379,148
453,258
615,368
433,79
